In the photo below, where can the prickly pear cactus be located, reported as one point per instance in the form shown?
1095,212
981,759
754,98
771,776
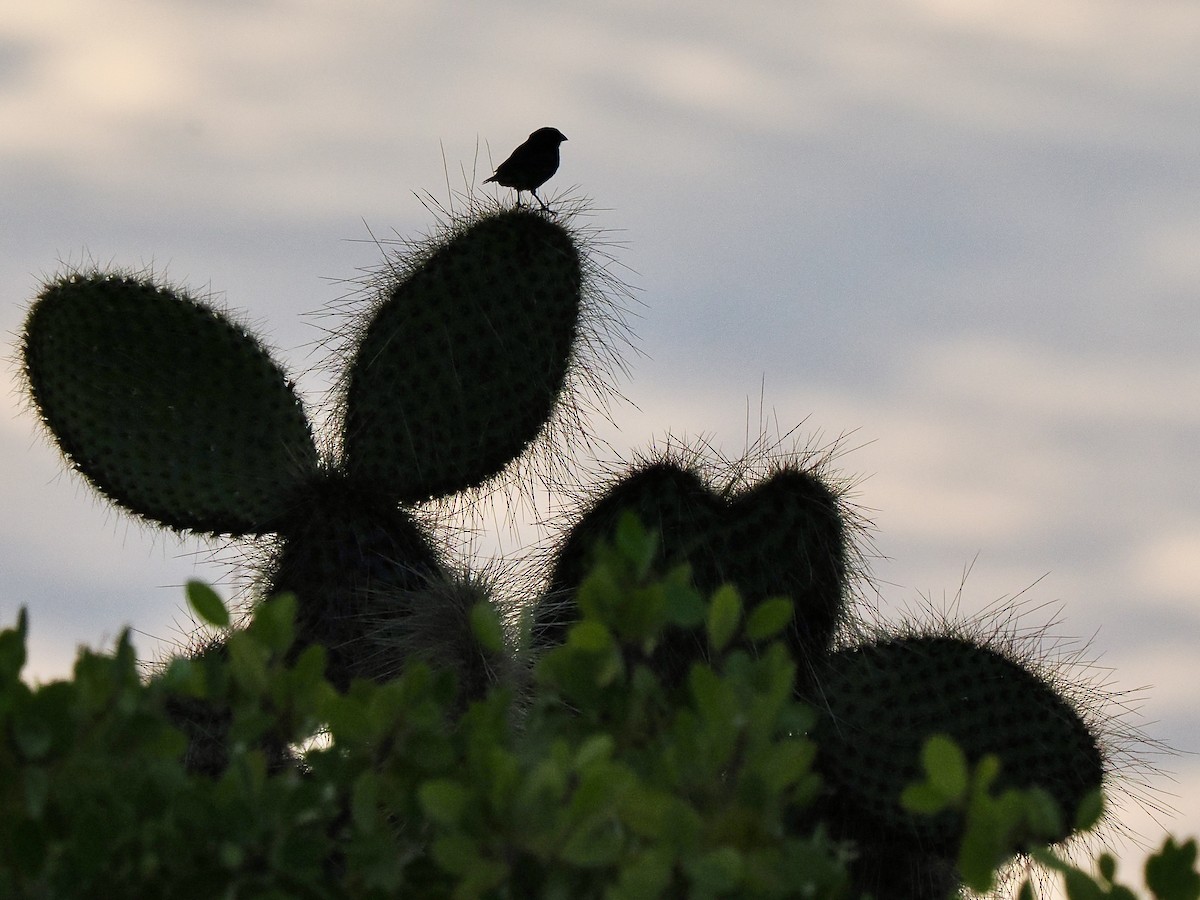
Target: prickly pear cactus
459,365
882,699
177,413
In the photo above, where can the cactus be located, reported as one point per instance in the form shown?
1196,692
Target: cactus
784,535
883,698
178,414
462,365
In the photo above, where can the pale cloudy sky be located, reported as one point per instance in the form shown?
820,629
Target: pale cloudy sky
966,234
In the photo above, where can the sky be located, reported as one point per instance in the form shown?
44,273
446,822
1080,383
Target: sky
959,241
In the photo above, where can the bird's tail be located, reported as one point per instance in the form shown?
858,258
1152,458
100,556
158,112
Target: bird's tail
486,180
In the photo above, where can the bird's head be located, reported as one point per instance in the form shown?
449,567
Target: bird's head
548,135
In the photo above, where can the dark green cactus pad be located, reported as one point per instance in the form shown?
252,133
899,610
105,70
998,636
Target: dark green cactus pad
464,359
783,536
676,505
167,407
883,700
673,502
356,564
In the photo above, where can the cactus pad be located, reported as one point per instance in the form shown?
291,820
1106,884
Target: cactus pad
169,408
883,700
782,536
464,359
785,536
674,503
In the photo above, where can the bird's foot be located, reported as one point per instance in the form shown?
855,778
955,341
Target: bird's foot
543,205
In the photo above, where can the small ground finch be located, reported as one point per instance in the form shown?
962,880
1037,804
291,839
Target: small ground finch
531,165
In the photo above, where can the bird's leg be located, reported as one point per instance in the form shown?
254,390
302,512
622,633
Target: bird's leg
545,208
518,199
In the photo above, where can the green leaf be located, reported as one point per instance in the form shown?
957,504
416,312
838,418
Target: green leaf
640,613
597,842
597,748
364,801
456,853
724,613
946,767
1081,886
348,719
247,661
684,606
32,734
1043,814
1090,811
272,626
46,724
648,874
1107,865
485,624
482,877
12,649
714,697
787,762
636,545
987,770
923,798
1171,872
590,637
207,606
717,871
769,618
657,814
443,800
983,849
37,791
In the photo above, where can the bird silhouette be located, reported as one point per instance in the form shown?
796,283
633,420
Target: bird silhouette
531,165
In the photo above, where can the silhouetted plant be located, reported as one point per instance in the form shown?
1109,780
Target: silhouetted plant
468,357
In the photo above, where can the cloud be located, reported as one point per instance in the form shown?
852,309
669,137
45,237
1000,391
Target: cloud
1168,563
961,234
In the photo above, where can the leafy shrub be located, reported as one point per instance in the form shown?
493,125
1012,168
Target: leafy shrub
599,780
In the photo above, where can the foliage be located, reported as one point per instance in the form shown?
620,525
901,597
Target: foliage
996,822
602,782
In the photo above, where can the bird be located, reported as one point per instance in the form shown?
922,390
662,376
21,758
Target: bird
531,165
